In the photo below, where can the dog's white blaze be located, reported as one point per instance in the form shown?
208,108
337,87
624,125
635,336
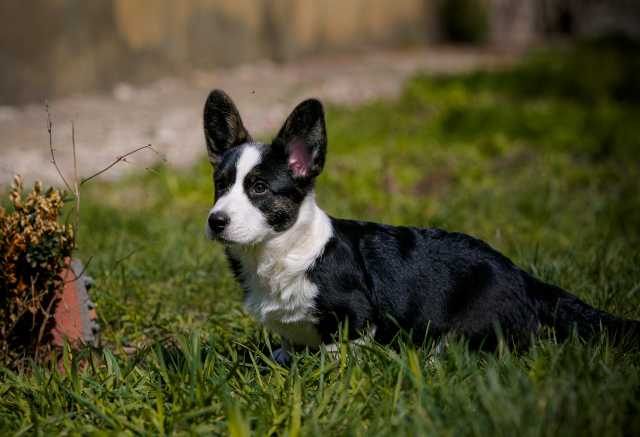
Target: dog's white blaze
275,273
247,224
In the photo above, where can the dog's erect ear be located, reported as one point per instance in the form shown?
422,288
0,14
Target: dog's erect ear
304,139
223,128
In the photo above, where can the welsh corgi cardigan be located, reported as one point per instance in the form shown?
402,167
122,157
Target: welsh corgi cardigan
305,272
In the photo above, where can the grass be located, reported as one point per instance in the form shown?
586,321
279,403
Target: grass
540,160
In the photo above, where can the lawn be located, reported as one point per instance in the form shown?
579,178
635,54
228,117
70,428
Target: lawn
542,161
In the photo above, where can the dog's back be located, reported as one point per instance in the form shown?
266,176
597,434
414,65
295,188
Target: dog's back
419,281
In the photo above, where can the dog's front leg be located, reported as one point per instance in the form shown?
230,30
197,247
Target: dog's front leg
281,355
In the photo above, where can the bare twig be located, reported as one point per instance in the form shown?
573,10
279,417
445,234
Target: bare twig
160,155
53,155
76,181
151,170
118,159
79,275
127,256
47,315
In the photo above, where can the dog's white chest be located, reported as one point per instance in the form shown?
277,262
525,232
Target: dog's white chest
280,294
283,302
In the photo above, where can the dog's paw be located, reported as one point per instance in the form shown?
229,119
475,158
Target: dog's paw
281,356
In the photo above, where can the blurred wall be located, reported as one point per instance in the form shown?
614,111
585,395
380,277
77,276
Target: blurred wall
50,48
56,47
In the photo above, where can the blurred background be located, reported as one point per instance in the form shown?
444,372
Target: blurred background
58,47
130,73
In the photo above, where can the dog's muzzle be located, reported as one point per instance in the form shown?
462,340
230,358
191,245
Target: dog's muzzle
217,222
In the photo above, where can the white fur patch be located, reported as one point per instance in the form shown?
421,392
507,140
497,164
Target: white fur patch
274,271
247,224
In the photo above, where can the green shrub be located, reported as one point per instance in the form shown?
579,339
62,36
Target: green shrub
34,247
592,72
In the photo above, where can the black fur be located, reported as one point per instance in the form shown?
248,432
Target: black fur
225,174
432,282
280,204
223,128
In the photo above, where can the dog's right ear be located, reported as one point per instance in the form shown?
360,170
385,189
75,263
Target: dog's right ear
223,128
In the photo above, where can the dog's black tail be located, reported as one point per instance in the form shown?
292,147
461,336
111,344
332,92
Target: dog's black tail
565,313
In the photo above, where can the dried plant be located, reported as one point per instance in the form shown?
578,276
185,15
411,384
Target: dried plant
34,248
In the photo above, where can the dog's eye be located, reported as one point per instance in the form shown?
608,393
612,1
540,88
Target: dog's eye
259,187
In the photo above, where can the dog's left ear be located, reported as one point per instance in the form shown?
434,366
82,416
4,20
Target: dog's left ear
304,139
223,128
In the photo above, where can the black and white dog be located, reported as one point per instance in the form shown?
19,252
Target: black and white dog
305,273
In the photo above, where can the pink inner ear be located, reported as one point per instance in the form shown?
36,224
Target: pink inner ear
299,159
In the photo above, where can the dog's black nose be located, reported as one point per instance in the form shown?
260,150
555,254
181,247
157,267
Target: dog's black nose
218,221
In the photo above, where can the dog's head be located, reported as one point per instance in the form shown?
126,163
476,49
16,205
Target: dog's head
259,188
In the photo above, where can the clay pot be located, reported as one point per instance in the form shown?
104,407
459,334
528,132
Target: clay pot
75,314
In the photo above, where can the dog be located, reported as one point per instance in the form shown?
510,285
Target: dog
306,273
